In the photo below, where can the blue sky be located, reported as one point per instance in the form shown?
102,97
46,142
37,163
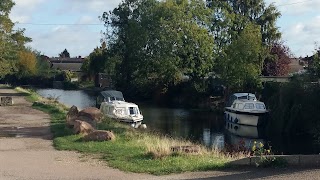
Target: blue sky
299,24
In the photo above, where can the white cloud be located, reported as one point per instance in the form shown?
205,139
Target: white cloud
79,41
97,6
296,7
301,36
299,23
86,20
23,10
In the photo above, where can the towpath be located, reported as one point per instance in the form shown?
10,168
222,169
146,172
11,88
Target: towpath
26,152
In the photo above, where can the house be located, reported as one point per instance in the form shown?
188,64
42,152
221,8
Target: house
67,64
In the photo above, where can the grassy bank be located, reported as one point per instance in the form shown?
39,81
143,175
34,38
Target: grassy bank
133,150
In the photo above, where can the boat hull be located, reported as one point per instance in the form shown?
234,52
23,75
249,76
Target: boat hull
244,130
126,119
246,118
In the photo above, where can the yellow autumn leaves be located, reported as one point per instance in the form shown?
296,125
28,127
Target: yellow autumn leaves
27,63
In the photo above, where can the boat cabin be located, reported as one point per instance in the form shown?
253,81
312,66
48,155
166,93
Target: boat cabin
238,96
244,104
109,96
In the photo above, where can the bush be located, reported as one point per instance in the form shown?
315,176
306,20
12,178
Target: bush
294,106
267,159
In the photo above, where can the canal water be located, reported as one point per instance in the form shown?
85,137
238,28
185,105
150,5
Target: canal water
204,127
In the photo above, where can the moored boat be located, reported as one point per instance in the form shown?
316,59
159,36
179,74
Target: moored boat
113,105
245,109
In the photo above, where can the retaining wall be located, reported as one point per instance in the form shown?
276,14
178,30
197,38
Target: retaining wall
298,160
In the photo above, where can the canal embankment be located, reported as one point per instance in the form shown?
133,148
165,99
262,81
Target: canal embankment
35,157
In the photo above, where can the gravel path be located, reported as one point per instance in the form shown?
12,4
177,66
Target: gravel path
26,152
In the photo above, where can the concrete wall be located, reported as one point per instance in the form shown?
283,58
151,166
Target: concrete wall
298,160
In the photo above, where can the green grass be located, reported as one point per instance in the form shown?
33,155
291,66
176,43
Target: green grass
133,150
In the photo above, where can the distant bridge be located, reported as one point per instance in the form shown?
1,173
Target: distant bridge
275,78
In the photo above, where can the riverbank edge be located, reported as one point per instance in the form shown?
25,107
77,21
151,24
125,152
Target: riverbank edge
213,163
291,160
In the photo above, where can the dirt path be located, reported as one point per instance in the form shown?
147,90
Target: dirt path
26,152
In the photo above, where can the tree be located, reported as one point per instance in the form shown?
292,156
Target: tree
64,54
156,43
314,64
232,16
11,41
43,64
7,54
277,63
27,63
242,60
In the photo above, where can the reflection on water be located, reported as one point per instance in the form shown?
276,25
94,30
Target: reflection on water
193,125
79,98
205,127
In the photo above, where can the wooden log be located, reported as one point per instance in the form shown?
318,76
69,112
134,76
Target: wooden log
186,149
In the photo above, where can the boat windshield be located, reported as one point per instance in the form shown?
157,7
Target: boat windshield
116,99
249,106
260,106
133,110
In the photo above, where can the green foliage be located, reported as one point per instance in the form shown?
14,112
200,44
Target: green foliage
232,16
243,59
27,64
11,41
64,54
68,75
295,106
156,43
267,159
314,64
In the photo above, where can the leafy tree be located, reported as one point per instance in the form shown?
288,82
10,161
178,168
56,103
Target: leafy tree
7,53
27,63
43,65
242,60
64,54
97,61
154,44
11,41
277,63
314,64
232,16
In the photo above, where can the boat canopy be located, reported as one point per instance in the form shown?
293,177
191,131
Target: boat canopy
117,95
244,95
236,96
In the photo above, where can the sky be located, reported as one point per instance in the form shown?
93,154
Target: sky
52,24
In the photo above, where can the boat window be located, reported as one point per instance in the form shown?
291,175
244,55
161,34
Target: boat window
240,106
249,106
247,97
119,99
234,105
120,111
260,106
133,110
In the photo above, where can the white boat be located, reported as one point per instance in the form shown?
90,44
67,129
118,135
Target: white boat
245,109
113,105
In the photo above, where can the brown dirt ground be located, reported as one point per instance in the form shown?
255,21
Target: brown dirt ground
26,152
